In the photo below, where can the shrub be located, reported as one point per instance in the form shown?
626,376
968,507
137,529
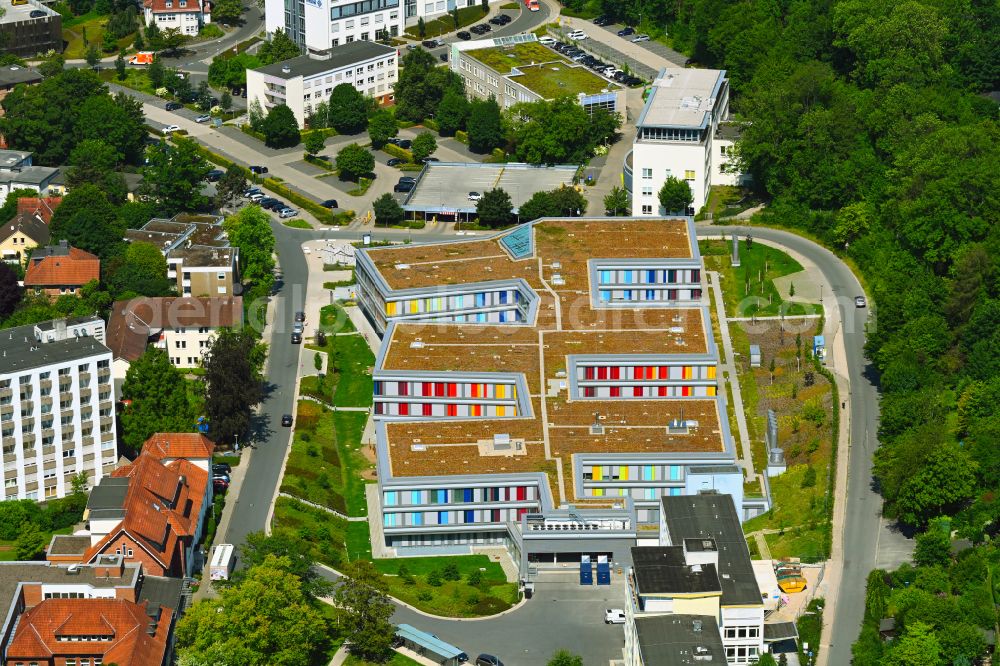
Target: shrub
462,136
425,596
450,572
396,151
430,123
475,578
434,578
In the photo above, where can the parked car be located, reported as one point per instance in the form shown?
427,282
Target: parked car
463,34
577,35
300,315
297,327
641,38
633,81
475,196
220,486
296,338
286,420
496,20
36,13
603,20
251,191
402,143
431,43
626,31
256,197
488,660
222,467
547,41
860,302
404,186
429,159
285,213
256,169
614,616
393,161
220,477
171,128
330,203
214,175
203,118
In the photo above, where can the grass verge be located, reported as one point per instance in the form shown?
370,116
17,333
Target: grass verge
446,24
297,224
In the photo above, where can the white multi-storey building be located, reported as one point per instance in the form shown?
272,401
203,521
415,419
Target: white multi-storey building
57,414
302,83
681,132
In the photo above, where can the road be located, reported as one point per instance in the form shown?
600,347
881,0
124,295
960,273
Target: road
862,524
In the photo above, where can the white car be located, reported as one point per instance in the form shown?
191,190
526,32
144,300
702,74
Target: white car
546,41
204,118
170,129
475,196
577,35
860,302
614,616
641,38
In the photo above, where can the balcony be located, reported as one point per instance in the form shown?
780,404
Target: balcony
45,383
103,375
85,394
9,456
6,393
88,440
28,438
65,381
67,431
6,411
48,432
106,421
107,437
9,441
84,378
27,406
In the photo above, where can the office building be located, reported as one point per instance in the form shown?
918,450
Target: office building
302,83
543,388
57,410
682,132
30,29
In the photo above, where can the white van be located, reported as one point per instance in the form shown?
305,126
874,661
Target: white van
577,35
221,561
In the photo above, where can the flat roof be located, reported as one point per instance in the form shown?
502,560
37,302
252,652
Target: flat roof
339,57
14,74
505,58
663,570
680,640
20,350
537,352
15,13
540,69
438,190
714,515
681,97
11,158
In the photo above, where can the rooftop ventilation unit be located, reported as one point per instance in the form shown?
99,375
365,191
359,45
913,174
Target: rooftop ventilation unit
418,447
416,344
402,267
557,280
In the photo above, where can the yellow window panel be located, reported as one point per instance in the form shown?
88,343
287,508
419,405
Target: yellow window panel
596,472
711,372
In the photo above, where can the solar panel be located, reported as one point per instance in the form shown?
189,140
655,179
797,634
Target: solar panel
518,242
515,39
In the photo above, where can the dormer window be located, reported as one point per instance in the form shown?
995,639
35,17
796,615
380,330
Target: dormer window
169,4
183,3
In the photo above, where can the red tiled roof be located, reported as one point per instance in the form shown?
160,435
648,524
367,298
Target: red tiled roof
179,445
44,207
127,622
160,6
75,269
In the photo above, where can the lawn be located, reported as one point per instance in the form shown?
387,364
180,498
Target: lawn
323,532
520,55
396,659
446,24
325,465
555,80
750,289
333,318
92,25
348,379
297,224
135,79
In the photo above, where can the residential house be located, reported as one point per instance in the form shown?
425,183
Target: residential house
28,229
149,512
191,446
59,270
15,75
183,326
187,16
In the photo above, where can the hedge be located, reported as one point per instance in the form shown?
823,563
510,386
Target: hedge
257,135
320,162
320,213
411,167
462,137
396,151
430,123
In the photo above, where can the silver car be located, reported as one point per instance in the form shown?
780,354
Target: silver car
287,212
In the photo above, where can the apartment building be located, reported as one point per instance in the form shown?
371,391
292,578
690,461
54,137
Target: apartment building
302,83
678,134
518,69
182,326
55,370
199,256
579,344
187,16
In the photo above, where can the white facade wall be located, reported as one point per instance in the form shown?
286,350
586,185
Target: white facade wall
654,162
318,25
187,22
186,346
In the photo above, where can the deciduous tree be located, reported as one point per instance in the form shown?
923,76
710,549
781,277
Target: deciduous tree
348,109
366,611
565,658
174,176
10,290
314,143
230,186
30,543
452,112
387,210
95,162
227,11
250,230
422,85
88,221
382,127
616,202
495,208
279,47
484,125
158,396
353,161
423,146
280,128
675,196
284,543
233,383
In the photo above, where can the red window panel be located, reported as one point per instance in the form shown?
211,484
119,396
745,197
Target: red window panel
602,373
521,512
650,372
439,389
616,391
664,373
427,389
588,392
588,372
663,391
496,515
696,293
378,407
452,410
616,372
452,390
522,493
428,409
685,391
404,388
475,390
636,391
404,409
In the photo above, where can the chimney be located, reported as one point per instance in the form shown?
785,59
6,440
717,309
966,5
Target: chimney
285,69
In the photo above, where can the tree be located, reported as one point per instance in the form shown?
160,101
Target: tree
565,658
421,27
314,143
117,121
139,44
934,544
250,230
265,619
204,98
173,40
30,543
230,186
52,65
876,595
382,127
154,37
455,18
284,543
225,101
155,73
452,112
423,146
140,271
232,383
137,213
539,205
557,132
10,291
174,176
95,162
365,612
88,221
120,66
485,4
108,42
387,210
348,109
675,196
918,647
280,47
158,396
227,11
766,660
495,208
944,482
353,161
484,125
568,201
280,128
422,85
616,202
255,115
92,56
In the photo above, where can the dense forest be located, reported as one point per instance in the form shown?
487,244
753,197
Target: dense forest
869,126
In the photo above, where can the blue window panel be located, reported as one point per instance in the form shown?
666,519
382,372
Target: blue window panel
460,301
442,517
442,496
628,277
674,492
470,516
390,498
627,295
650,295
503,298
503,317
415,497
517,297
481,317
647,472
651,277
480,300
675,472
604,295
378,388
467,495
389,520
459,317
418,519
604,277
650,493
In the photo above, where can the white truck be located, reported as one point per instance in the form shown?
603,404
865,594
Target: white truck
221,562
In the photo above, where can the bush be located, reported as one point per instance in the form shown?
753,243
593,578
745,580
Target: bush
321,214
462,136
396,151
430,123
475,578
434,578
450,572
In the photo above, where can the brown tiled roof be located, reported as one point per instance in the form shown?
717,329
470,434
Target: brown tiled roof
44,207
179,445
126,622
75,268
132,322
